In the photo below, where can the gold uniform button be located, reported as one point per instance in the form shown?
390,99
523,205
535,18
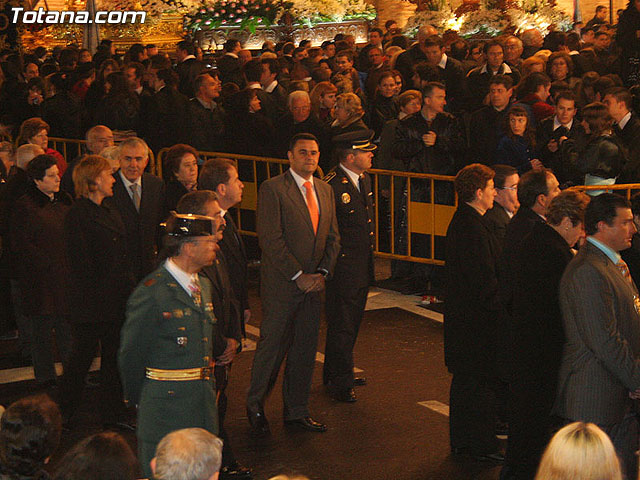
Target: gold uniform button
206,359
205,339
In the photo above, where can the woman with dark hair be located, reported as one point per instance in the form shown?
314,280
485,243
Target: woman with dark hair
517,146
601,160
383,107
43,271
181,173
560,68
36,131
102,456
248,131
534,90
62,110
136,53
97,89
119,109
537,331
30,432
627,38
100,281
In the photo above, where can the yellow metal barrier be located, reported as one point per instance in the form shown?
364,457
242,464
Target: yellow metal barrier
426,220
626,187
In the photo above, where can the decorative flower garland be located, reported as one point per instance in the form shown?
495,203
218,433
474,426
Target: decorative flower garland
486,21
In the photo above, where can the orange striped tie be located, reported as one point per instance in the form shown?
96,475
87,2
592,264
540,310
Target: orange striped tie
312,206
624,269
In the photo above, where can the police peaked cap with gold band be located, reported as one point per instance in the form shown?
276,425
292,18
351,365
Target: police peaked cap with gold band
358,140
189,225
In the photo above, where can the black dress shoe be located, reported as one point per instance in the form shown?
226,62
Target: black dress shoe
346,395
259,424
359,381
306,423
235,472
494,457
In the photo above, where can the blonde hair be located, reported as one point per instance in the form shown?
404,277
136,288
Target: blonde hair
579,451
86,173
352,104
112,154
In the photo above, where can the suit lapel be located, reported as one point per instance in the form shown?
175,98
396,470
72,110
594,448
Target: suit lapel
234,239
105,220
296,197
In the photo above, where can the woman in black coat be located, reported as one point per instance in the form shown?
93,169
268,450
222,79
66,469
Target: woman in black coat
100,282
181,173
384,107
248,131
41,260
537,332
120,107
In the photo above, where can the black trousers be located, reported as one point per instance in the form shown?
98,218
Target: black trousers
472,413
222,378
344,311
530,425
86,337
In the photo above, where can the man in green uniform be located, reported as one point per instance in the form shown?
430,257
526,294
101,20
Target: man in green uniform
165,354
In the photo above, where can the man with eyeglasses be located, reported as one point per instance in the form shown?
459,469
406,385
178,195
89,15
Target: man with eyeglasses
506,201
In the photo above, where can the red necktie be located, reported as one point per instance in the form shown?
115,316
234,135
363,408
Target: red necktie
312,205
624,269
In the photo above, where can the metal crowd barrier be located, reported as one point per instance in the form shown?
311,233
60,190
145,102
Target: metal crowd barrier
424,202
627,188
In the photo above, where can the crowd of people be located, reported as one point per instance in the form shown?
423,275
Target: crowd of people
515,118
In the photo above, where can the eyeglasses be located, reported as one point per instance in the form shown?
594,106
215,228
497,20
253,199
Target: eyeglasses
514,188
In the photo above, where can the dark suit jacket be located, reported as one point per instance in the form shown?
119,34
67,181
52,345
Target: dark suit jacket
632,257
101,275
486,126
235,258
537,329
168,119
206,127
557,161
142,227
354,212
601,358
497,220
225,306
629,136
188,71
230,71
471,294
286,235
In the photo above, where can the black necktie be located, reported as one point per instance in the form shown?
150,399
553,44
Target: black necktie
362,188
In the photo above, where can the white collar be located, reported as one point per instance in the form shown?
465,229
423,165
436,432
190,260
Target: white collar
557,124
139,90
187,58
255,86
622,123
443,61
231,54
299,180
504,67
353,176
128,183
271,87
211,106
183,278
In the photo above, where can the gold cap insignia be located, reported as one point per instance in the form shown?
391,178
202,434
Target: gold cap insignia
346,198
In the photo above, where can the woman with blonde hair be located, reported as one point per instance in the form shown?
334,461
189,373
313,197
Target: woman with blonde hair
532,65
580,451
348,114
323,101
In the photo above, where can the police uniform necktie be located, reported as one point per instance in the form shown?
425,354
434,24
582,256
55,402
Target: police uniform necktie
624,269
312,205
194,288
135,196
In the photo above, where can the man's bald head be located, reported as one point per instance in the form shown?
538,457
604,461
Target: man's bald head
26,153
99,138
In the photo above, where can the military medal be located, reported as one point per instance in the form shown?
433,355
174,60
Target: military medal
346,198
178,313
182,341
636,303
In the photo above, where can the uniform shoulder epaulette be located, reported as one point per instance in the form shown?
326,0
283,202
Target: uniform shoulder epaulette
330,176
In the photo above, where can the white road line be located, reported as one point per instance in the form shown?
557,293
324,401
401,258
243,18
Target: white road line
22,374
319,356
436,406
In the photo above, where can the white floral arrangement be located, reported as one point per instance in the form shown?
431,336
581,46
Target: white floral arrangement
482,21
438,18
491,22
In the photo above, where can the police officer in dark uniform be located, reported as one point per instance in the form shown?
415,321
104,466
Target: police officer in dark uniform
165,355
347,290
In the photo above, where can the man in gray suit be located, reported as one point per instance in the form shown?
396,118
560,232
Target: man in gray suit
298,235
599,377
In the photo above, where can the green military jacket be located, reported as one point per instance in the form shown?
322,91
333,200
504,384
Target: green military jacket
165,329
